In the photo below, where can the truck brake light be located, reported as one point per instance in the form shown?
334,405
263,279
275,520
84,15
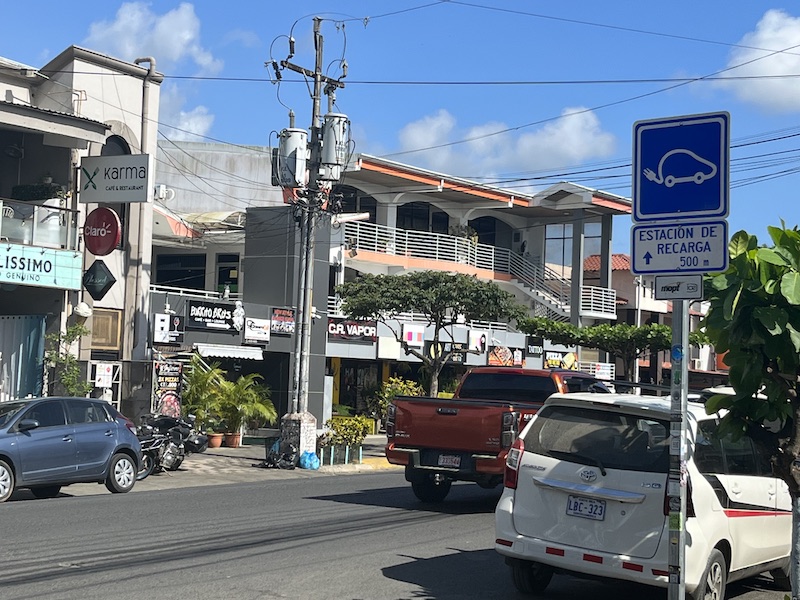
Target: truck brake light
513,460
391,411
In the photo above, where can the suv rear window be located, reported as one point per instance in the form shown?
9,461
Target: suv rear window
608,439
507,386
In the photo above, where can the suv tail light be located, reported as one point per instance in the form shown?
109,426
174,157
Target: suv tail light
513,460
689,503
509,429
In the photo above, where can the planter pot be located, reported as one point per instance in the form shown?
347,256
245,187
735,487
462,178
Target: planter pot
340,455
215,440
233,440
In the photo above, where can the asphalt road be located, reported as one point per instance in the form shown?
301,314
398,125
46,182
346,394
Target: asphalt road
350,536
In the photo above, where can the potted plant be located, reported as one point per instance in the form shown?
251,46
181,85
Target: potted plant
240,401
201,385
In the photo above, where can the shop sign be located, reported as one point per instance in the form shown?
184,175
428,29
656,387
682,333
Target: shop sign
477,341
458,357
352,330
503,356
168,329
115,179
104,375
282,322
98,280
102,231
168,375
40,267
555,359
216,316
256,331
534,346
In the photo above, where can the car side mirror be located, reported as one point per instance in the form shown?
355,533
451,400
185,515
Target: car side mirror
27,424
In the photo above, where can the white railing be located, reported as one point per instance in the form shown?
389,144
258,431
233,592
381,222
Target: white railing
541,282
335,310
598,301
191,293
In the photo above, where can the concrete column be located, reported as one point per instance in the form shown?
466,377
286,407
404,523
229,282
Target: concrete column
577,267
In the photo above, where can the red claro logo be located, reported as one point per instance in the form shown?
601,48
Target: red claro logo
102,231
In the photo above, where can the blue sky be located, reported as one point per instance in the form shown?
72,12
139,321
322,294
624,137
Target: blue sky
541,91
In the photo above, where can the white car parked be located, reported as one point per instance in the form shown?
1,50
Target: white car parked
586,493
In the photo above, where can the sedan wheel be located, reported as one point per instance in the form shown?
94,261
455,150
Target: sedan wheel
6,481
121,474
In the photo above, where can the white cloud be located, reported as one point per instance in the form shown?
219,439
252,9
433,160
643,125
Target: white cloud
180,124
577,136
172,38
777,30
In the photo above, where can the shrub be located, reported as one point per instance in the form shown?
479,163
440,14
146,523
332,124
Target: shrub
348,431
396,386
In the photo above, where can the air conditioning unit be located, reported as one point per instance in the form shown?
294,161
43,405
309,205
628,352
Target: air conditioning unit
697,364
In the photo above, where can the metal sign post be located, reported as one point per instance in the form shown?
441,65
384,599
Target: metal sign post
676,484
680,192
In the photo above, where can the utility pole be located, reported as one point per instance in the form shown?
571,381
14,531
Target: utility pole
325,166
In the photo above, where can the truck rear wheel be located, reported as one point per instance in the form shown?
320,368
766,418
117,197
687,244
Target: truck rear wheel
430,490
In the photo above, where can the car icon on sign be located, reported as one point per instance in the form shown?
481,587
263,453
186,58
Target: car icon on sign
705,170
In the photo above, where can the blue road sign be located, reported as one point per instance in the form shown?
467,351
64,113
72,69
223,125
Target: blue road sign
681,167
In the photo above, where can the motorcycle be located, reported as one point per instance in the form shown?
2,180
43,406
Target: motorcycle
166,441
194,441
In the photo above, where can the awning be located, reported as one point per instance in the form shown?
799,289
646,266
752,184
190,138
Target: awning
226,351
168,224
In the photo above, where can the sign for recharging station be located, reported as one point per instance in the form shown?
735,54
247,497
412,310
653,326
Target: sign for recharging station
679,247
681,167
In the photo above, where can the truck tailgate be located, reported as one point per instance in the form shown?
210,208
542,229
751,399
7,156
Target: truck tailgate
463,425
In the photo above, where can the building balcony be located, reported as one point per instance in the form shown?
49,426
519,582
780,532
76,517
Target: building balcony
46,224
369,245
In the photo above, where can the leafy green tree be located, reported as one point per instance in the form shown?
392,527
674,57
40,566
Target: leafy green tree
754,317
625,342
68,378
443,298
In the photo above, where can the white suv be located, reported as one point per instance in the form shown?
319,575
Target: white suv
586,493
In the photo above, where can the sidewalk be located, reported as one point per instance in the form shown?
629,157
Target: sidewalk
372,457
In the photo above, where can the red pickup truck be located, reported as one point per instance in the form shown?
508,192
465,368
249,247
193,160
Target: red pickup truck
467,437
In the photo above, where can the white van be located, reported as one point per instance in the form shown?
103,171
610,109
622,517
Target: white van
586,493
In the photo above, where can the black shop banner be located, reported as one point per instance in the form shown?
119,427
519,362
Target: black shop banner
352,330
210,316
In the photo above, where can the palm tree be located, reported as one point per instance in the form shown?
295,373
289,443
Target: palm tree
244,399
